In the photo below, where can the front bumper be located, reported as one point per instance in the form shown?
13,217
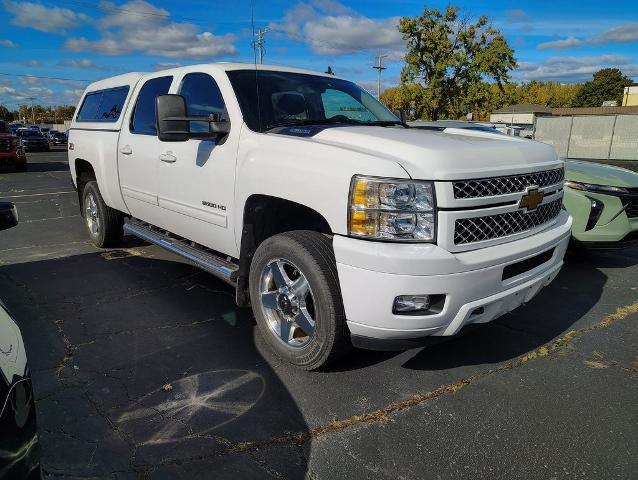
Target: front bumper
372,274
35,147
12,157
614,228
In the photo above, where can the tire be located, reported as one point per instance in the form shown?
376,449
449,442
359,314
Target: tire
104,224
307,329
21,167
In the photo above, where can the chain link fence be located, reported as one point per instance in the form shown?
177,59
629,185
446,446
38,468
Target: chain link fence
599,137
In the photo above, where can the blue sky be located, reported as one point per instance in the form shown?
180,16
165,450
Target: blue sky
76,41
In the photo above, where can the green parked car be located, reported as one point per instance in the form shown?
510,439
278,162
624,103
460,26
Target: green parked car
603,200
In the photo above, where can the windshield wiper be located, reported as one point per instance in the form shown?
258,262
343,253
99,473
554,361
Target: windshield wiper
313,121
386,123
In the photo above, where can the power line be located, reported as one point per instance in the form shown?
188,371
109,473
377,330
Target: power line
45,78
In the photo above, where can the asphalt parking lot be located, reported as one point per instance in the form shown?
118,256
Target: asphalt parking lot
143,367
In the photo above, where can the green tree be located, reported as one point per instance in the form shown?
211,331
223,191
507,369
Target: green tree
607,84
408,98
448,56
42,114
552,94
6,114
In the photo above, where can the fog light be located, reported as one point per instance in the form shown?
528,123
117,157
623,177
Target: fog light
411,303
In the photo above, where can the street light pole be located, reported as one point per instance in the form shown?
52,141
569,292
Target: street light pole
379,68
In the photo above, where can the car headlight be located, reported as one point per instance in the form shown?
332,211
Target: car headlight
392,209
590,187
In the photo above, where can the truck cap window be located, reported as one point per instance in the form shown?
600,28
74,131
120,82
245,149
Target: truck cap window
144,118
286,97
202,97
103,105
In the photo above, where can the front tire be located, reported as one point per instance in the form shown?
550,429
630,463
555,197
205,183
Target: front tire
104,224
296,299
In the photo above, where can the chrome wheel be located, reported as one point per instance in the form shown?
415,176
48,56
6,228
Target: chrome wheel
287,303
91,215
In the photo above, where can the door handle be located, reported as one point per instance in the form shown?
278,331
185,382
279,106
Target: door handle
126,150
168,157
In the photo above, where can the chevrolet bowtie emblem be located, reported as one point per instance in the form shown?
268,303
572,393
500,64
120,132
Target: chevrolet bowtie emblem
531,199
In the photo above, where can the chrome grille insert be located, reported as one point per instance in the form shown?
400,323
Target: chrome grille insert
479,229
490,187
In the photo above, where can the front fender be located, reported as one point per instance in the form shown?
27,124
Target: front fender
304,171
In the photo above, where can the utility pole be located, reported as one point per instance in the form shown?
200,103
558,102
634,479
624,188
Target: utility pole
260,43
31,99
379,68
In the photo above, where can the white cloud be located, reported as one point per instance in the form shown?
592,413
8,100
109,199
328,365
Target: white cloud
516,15
569,42
331,28
152,32
7,90
7,44
31,63
166,65
572,69
83,63
31,80
37,16
72,96
622,34
341,35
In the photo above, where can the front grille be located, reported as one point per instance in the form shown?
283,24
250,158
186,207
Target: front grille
5,145
490,187
479,229
632,209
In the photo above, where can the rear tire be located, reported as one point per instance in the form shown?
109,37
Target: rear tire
300,312
104,224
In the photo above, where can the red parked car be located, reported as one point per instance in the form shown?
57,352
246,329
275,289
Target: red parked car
10,152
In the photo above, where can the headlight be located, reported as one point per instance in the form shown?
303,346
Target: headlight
589,187
394,210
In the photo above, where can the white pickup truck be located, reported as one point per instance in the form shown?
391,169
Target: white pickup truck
335,221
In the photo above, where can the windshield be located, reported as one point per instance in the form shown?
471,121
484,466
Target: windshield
3,127
287,98
28,133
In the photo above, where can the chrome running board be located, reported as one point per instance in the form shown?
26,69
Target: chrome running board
199,256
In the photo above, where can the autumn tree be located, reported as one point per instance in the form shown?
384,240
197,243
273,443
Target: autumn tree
448,56
408,98
607,84
43,114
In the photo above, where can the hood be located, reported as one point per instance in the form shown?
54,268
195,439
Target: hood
599,174
5,135
450,154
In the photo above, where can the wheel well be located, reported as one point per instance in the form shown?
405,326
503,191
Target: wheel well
84,173
265,216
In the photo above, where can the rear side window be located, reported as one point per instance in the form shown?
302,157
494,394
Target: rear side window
103,105
203,98
144,118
